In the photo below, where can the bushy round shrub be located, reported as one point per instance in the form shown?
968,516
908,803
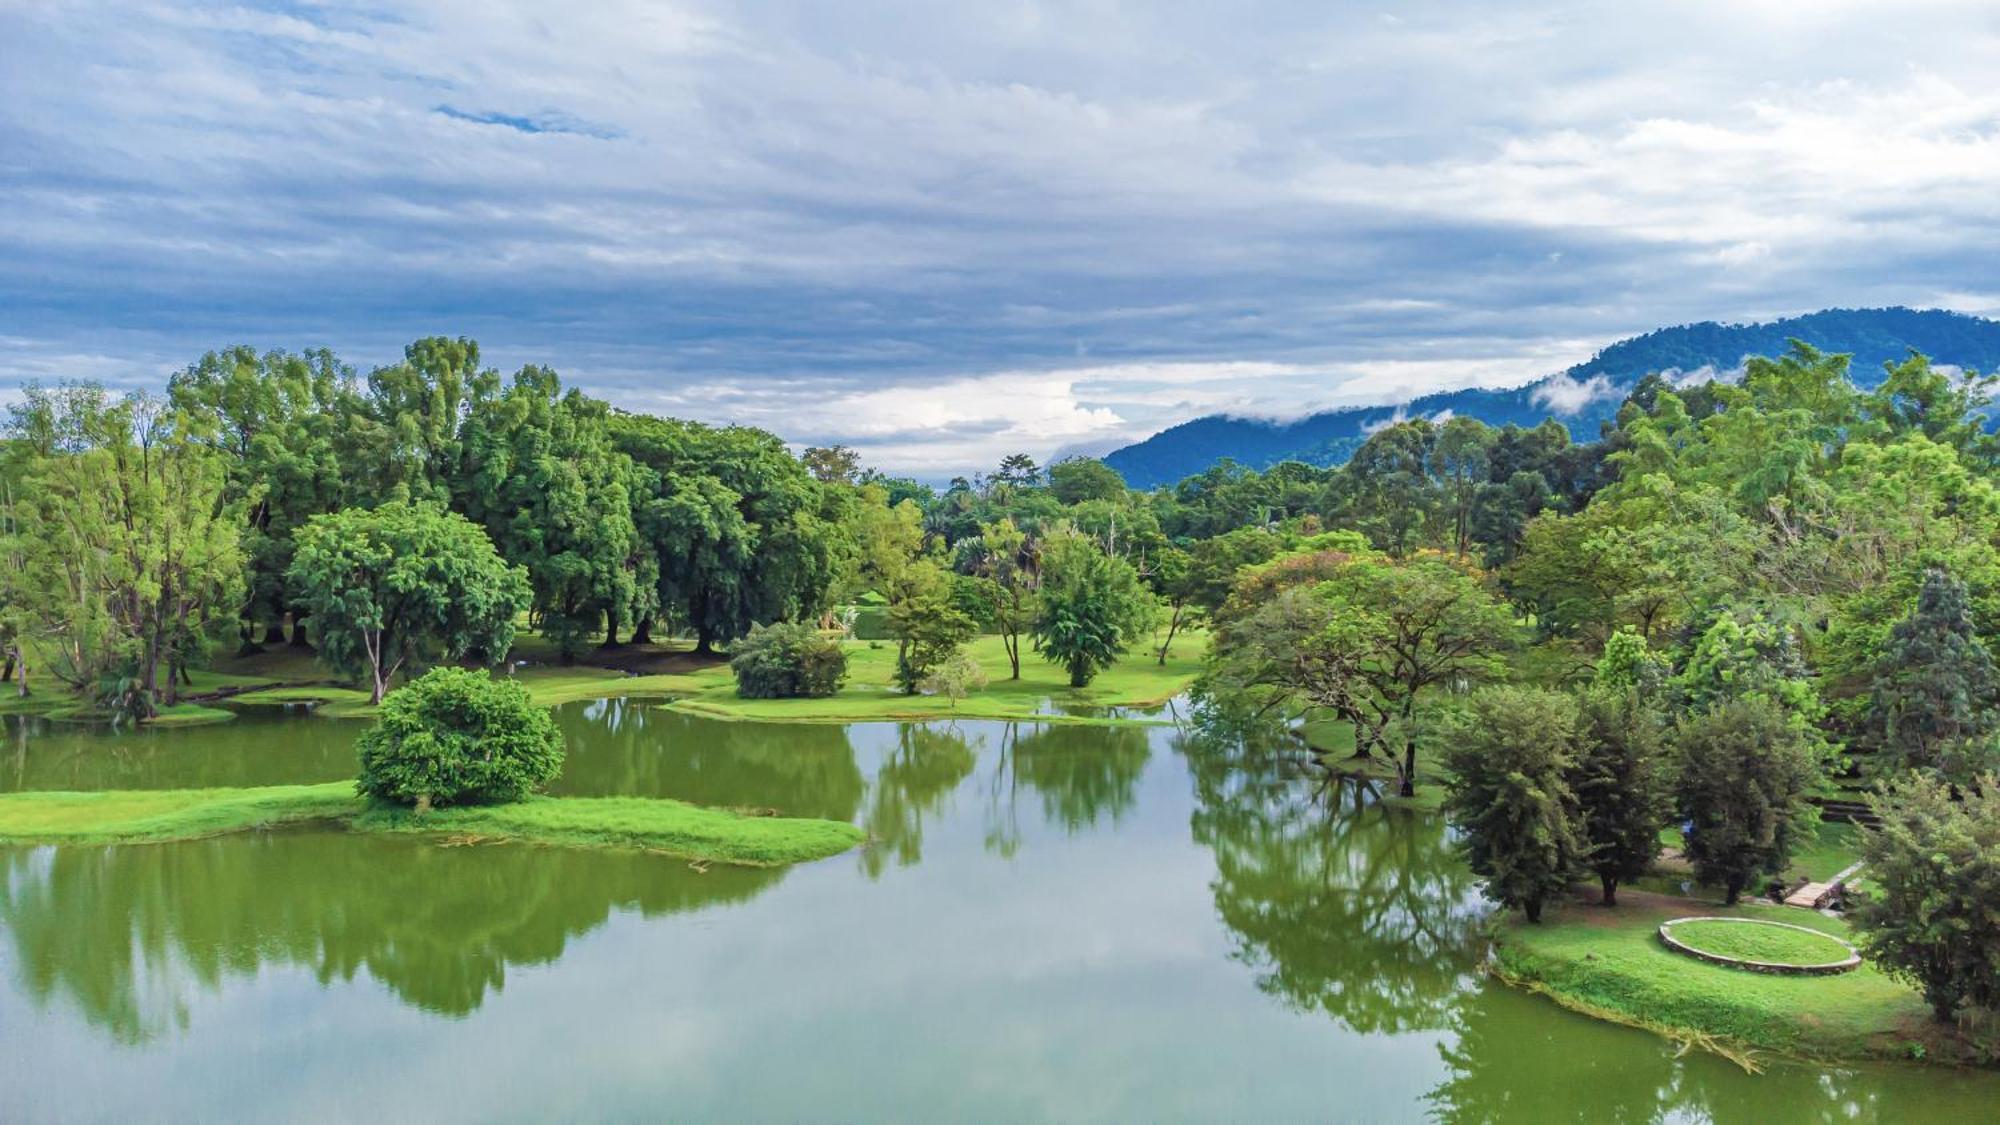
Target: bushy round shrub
456,736
787,661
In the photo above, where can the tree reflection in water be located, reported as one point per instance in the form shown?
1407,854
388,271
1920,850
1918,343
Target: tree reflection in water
632,748
912,782
1341,904
124,933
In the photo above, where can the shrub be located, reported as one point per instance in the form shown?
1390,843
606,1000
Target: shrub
456,736
957,677
787,661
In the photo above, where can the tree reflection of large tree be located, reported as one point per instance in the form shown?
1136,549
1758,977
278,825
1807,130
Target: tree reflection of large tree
929,761
1341,904
125,931
632,748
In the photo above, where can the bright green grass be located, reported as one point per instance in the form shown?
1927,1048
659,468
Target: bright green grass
550,686
1610,963
1773,945
672,827
632,822
188,715
152,815
1042,693
1837,848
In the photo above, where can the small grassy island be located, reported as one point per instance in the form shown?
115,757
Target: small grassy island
669,827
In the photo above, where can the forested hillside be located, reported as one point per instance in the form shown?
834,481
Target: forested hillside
1582,398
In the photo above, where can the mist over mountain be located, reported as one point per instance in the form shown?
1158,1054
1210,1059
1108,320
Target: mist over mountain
1582,397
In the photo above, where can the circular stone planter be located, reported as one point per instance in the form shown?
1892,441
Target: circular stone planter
1841,956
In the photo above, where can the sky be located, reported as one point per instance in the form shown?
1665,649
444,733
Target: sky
943,232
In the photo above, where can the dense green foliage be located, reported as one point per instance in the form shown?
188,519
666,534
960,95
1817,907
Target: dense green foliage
1510,757
1936,695
1929,914
455,736
404,583
121,544
1743,771
1621,783
1092,606
787,661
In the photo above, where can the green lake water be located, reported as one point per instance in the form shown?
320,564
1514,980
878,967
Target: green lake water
1054,922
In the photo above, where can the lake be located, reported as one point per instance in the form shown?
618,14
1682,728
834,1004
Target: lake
1064,921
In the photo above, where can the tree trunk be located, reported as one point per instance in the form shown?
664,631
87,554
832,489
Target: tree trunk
1079,676
1173,626
7,673
1408,782
643,633
610,630
1013,646
298,629
1734,891
274,633
1534,908
1610,884
704,642
1944,1010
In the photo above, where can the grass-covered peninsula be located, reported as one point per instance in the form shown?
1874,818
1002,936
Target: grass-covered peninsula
670,827
1610,963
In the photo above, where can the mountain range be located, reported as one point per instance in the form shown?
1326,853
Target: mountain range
1582,397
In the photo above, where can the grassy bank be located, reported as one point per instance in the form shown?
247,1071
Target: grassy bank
1136,683
666,826
158,815
1610,963
546,686
671,827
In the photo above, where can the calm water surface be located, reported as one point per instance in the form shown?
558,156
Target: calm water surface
1070,922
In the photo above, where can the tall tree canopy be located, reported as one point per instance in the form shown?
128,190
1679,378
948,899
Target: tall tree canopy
405,584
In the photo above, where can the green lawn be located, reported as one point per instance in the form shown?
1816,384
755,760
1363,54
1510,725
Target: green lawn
1042,693
1610,963
666,826
671,827
1773,945
154,815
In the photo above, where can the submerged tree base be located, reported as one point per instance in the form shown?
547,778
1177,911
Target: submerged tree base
1609,963
668,827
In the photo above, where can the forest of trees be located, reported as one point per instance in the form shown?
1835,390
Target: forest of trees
1737,594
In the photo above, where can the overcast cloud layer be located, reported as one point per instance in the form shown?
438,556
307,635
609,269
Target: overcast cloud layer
942,232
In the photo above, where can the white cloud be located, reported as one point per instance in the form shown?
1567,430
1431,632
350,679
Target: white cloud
1140,212
1565,394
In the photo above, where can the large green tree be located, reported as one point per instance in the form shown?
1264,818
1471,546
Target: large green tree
123,545
1936,691
1743,771
279,421
542,478
733,520
405,583
1093,607
1620,780
1933,881
1511,755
